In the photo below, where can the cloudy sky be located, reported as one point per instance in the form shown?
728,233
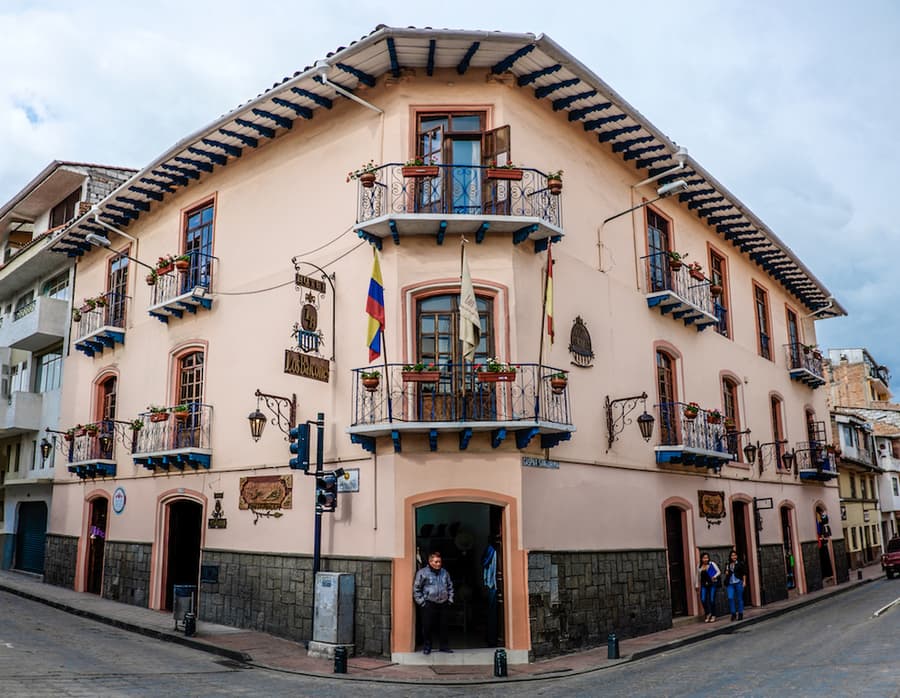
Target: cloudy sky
792,106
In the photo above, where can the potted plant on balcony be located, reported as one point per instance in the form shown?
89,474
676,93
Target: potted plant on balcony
76,314
136,424
495,371
100,302
558,382
695,269
157,413
152,277
365,174
181,412
713,416
165,264
691,410
420,373
183,262
730,425
715,290
69,435
88,304
507,171
554,182
78,430
371,380
676,260
416,167
91,429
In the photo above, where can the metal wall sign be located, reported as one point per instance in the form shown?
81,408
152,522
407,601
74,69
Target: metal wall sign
118,500
532,462
266,495
350,481
712,506
580,344
217,520
305,357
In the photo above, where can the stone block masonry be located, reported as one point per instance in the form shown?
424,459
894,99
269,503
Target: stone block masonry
812,565
59,560
841,564
575,599
774,576
274,594
126,572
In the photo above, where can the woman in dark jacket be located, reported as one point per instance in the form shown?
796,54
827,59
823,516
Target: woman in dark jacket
709,580
735,574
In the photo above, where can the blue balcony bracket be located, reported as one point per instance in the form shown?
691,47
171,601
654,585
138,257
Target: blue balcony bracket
367,442
395,437
371,239
394,232
464,437
551,440
524,436
432,439
313,97
521,235
547,90
392,52
429,67
576,114
497,437
479,236
364,77
442,230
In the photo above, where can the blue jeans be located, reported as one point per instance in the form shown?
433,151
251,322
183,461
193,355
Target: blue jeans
736,597
708,598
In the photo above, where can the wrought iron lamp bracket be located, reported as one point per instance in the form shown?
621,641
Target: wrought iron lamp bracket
283,410
616,423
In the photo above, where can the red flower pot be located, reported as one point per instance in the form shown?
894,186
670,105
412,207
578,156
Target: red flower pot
420,376
367,179
495,376
416,171
159,416
504,173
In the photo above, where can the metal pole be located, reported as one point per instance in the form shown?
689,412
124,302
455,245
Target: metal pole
317,532
759,571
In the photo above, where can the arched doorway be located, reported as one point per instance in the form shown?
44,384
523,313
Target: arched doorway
741,520
675,552
31,537
469,536
96,545
790,551
184,519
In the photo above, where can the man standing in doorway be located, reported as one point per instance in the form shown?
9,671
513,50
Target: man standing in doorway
433,593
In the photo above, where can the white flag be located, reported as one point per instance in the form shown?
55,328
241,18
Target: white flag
469,324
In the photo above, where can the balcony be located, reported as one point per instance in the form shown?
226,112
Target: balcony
804,364
455,200
699,441
171,440
101,327
815,461
183,291
20,413
37,325
455,398
675,292
91,450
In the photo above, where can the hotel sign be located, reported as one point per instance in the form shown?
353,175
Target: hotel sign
306,366
308,282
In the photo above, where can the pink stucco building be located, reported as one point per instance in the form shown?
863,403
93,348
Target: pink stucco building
598,530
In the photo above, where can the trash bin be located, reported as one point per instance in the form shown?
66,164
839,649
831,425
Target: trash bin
183,600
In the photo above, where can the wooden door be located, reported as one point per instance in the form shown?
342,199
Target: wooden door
675,554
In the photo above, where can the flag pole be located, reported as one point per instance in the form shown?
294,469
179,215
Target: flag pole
387,375
543,312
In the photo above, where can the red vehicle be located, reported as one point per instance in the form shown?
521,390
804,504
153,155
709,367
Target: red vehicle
890,561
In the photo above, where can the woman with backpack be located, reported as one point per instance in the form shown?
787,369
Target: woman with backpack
709,580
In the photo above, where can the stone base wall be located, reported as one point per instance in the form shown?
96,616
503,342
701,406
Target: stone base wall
774,577
7,550
575,599
126,572
812,568
274,594
60,559
841,569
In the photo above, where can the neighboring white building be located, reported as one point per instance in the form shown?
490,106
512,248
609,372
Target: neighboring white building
35,297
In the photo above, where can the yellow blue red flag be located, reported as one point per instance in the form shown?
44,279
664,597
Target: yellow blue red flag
375,310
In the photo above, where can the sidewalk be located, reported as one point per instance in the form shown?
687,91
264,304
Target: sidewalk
267,651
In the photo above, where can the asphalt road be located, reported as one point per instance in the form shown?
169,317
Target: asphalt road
833,648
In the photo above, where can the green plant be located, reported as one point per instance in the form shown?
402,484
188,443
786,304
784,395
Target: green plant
155,409
89,303
695,267
371,374
562,375
165,261
493,365
555,175
183,258
419,367
692,408
181,408
137,424
414,162
676,256
100,301
505,166
714,415
76,314
369,168
91,429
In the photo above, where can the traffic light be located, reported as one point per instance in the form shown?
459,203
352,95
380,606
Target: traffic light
299,436
326,491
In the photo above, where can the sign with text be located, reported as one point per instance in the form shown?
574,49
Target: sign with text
531,462
306,366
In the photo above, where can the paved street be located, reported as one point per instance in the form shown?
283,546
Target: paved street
45,652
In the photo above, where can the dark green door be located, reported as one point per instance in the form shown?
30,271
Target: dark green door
31,535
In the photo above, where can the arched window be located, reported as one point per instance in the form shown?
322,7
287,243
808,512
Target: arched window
107,398
665,391
190,378
197,244
731,414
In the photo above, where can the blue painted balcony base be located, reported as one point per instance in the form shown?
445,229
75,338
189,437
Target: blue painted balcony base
178,459
817,474
93,468
551,433
669,302
807,377
179,305
104,338
687,455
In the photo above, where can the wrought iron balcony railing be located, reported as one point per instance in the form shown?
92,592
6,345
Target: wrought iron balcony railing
697,432
672,289
182,290
804,364
458,190
815,461
91,442
172,431
102,326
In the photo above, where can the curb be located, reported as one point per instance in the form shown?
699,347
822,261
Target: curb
235,655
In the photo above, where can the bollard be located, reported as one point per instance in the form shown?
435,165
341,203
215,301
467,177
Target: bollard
190,624
612,646
340,660
500,663
859,574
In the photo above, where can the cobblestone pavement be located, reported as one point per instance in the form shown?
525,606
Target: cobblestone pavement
831,648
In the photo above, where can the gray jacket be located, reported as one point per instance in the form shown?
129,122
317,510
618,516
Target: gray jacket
429,585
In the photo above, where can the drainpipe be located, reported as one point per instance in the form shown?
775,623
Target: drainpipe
322,68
